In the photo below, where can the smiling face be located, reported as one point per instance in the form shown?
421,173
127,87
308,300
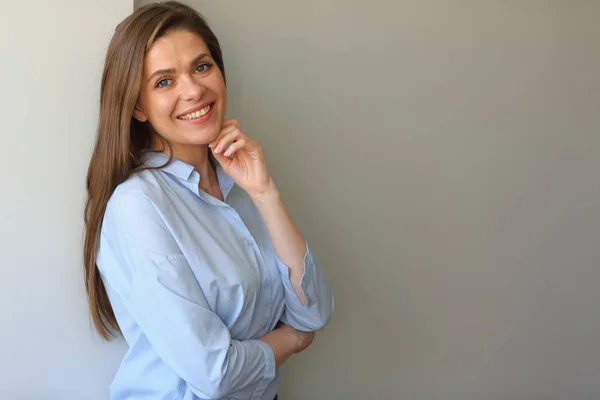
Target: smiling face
182,93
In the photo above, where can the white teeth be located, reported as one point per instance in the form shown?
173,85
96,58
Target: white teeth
196,114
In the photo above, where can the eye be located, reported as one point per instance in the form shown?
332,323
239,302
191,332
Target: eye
203,67
163,83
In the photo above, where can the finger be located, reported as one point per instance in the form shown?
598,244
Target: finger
229,122
248,144
240,144
224,131
234,135
224,161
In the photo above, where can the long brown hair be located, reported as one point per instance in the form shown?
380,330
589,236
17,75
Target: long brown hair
120,139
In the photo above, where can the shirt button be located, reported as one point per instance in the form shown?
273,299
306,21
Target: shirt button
250,242
267,282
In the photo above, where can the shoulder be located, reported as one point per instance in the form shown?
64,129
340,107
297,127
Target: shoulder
134,232
137,194
134,208
145,183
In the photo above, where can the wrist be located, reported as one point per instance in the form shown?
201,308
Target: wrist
269,194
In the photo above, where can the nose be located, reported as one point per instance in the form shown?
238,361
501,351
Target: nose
191,90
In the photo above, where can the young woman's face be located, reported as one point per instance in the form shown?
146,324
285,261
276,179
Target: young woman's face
183,93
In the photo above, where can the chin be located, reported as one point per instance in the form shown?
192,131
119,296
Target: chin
201,136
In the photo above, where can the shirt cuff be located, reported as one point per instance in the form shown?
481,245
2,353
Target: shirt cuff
269,368
309,266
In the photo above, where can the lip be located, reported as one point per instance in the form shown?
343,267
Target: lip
200,107
201,120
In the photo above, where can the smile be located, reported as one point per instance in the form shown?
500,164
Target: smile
196,114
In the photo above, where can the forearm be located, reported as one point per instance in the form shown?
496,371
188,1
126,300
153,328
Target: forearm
283,342
288,242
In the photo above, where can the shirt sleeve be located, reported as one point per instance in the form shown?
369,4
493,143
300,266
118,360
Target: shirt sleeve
161,293
320,302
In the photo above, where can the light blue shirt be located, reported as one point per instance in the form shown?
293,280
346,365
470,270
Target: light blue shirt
194,282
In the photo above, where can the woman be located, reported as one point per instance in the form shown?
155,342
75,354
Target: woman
189,251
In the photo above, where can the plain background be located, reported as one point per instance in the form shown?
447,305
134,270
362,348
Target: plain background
441,157
51,58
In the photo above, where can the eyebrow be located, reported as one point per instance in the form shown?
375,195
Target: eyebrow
196,60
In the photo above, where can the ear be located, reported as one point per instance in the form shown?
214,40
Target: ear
139,114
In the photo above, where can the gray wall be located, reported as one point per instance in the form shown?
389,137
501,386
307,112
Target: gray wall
51,58
443,160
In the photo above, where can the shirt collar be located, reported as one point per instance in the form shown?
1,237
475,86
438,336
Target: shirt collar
185,171
176,167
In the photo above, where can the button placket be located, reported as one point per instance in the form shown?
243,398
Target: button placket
239,222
